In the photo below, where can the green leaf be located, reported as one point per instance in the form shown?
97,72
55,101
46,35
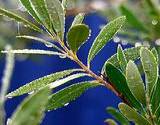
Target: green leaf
135,82
157,113
40,83
105,35
40,9
118,116
132,19
155,100
77,35
27,5
31,110
121,58
132,115
17,18
150,67
68,94
110,122
78,19
155,53
57,16
65,4
118,80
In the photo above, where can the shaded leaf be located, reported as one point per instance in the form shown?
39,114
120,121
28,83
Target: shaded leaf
31,110
77,35
27,5
65,4
68,94
78,19
17,18
132,19
155,53
121,58
57,16
105,35
132,115
150,68
118,116
135,82
110,122
40,83
40,9
119,82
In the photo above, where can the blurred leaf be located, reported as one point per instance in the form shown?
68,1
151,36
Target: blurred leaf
65,4
118,116
68,94
110,122
17,18
78,19
132,115
77,35
105,35
57,16
119,82
135,82
132,19
31,110
150,68
155,100
121,58
27,5
40,83
40,9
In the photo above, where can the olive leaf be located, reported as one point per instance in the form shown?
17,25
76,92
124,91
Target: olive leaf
78,19
77,35
104,36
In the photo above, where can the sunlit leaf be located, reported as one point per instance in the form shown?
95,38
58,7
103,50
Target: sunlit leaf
77,35
31,110
78,19
17,18
105,35
118,116
135,82
132,115
68,94
110,122
119,82
40,83
150,68
57,16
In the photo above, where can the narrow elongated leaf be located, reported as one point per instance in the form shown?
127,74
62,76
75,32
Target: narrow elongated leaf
33,51
110,122
17,18
132,19
77,35
78,19
40,83
65,4
65,80
27,5
119,81
132,115
155,53
104,36
135,82
65,96
150,67
118,116
121,58
157,113
155,100
31,111
57,16
47,44
40,9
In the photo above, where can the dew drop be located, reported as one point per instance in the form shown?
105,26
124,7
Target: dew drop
157,42
48,45
9,121
66,104
30,93
48,110
62,56
138,44
116,39
154,22
9,97
124,42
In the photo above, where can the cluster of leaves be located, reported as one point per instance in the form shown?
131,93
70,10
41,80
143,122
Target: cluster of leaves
142,102
143,22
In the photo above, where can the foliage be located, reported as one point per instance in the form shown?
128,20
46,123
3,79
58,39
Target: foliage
122,73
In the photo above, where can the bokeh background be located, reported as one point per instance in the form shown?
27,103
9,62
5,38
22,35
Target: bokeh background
89,109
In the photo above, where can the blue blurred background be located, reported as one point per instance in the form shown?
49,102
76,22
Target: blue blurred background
89,109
